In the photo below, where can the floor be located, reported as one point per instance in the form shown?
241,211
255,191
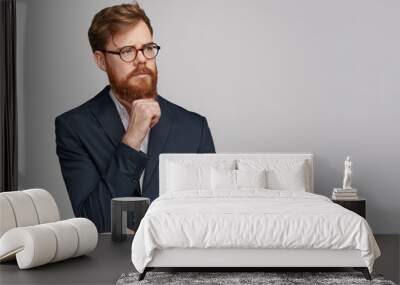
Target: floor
389,262
110,260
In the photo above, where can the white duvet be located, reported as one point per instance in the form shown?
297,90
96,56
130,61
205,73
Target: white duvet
250,218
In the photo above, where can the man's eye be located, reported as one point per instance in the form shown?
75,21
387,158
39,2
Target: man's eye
127,50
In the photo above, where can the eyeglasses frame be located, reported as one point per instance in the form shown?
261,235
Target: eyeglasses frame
135,48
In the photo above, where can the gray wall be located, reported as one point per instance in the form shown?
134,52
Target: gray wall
270,76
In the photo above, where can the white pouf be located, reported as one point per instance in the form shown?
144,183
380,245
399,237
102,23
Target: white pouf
31,233
37,245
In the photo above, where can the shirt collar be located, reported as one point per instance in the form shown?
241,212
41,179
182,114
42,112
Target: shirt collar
123,113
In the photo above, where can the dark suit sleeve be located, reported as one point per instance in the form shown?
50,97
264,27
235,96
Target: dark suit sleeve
89,189
206,142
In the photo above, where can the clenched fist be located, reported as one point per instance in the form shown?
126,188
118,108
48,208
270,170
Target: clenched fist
144,114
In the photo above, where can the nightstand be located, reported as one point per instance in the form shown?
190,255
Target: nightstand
358,206
119,211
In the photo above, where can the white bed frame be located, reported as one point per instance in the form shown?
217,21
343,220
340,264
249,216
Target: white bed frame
249,257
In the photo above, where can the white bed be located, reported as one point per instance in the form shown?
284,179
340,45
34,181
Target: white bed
193,225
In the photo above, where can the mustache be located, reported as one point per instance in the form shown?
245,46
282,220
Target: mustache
142,70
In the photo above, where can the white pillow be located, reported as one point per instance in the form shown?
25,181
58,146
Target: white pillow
181,177
223,179
189,174
251,178
282,174
237,179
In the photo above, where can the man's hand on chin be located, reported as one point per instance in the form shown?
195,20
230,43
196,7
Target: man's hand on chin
145,113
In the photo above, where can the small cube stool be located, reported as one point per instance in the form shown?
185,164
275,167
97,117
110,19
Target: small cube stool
119,208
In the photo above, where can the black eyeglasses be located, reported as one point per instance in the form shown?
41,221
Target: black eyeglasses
129,53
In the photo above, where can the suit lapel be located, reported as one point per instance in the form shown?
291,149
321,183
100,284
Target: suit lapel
157,139
103,108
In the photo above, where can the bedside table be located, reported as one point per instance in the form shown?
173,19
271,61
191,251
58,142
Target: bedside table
358,206
119,210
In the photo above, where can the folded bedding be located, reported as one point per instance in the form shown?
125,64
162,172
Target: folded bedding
250,218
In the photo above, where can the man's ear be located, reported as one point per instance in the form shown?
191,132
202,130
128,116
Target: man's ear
100,60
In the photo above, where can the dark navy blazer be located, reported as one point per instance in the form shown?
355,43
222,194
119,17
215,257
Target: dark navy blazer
97,166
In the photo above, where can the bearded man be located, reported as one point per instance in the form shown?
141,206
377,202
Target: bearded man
109,146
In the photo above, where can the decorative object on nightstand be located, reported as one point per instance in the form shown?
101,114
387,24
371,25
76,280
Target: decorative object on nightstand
344,194
347,192
358,205
347,173
119,208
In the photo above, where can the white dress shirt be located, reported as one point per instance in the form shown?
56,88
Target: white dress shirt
124,115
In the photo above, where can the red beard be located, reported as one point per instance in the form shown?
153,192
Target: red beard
144,88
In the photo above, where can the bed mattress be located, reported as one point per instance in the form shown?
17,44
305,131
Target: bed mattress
251,219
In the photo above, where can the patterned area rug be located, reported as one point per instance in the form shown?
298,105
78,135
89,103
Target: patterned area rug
229,278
